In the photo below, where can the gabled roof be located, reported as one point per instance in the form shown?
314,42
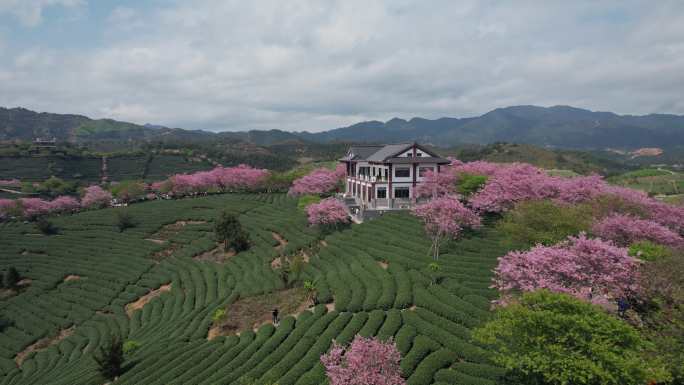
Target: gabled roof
388,154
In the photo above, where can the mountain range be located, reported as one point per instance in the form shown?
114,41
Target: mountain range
557,126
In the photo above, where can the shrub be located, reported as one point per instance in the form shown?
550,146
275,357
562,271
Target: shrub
580,266
12,277
229,231
649,251
319,181
555,339
365,361
45,226
110,359
542,222
131,346
127,191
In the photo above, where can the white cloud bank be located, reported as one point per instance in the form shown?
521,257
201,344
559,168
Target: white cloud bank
311,65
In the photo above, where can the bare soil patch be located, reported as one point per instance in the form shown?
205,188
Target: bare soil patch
157,241
383,264
43,344
282,242
172,229
142,301
10,292
71,277
167,252
252,312
324,243
217,255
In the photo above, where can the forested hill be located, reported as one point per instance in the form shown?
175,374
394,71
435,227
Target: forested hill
559,126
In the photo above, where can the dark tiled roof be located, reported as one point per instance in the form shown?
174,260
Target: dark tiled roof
387,153
418,159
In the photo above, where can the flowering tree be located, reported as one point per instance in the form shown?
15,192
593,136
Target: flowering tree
240,178
96,197
444,218
627,229
318,181
11,183
366,361
64,204
34,207
328,212
437,184
581,266
7,208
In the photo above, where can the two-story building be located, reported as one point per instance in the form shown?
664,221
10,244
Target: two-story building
385,177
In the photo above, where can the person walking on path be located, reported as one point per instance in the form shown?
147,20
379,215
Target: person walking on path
275,316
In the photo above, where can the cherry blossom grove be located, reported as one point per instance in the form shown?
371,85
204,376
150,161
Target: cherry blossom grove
318,181
626,229
580,266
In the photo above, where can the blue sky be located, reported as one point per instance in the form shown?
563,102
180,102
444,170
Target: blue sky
316,65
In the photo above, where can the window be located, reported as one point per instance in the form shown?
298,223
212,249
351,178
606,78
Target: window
403,172
382,192
423,170
401,192
419,154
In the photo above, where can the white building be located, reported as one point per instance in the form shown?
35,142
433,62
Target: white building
385,177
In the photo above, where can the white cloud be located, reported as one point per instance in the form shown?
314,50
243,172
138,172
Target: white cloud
310,65
30,12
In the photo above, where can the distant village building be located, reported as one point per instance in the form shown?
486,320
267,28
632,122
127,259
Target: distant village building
385,177
45,142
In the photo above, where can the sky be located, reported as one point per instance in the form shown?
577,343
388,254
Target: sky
301,65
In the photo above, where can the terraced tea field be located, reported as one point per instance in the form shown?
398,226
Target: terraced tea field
160,283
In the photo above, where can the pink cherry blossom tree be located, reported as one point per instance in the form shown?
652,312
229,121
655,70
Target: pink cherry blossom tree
366,361
328,212
445,217
34,207
8,208
318,181
96,197
437,184
626,229
64,204
583,267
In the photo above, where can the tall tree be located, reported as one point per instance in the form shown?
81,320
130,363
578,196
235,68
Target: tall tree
110,359
367,361
229,231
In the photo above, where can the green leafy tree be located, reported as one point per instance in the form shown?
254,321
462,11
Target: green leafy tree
110,359
124,221
54,187
469,183
129,190
229,231
554,339
545,222
219,315
12,277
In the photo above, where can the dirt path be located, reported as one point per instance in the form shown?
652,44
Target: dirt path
217,255
282,242
142,301
71,277
42,344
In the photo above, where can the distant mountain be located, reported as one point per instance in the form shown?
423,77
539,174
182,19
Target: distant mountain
23,124
558,126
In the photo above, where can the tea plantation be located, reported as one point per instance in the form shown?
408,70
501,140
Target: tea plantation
373,278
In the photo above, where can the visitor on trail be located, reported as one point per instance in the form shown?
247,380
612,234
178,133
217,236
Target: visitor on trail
623,305
275,316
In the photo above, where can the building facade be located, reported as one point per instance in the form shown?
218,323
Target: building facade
386,176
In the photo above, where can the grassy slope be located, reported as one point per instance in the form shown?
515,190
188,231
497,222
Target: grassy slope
117,268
